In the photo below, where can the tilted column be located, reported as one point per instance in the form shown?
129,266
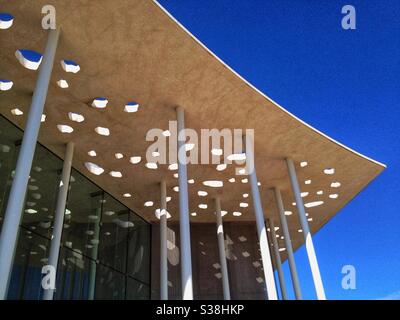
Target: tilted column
163,243
59,215
312,258
259,214
221,249
13,215
184,222
288,244
278,260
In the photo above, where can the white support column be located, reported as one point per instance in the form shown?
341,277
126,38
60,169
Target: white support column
221,249
259,214
13,215
59,214
94,254
163,243
288,244
184,222
312,258
278,260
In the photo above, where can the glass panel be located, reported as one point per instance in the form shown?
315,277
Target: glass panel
30,256
136,290
114,234
139,249
72,276
82,218
110,284
95,257
9,145
41,195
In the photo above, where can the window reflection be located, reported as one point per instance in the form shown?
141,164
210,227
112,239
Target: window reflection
105,248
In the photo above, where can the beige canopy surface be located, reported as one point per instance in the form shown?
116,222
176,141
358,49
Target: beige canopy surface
135,51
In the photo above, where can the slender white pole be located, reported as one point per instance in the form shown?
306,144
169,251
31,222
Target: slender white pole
186,258
221,249
163,244
288,244
259,214
278,260
59,215
312,258
93,263
13,215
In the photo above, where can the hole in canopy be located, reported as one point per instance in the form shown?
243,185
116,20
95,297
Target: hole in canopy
116,174
131,107
329,171
237,157
92,153
159,213
70,66
63,84
303,164
333,196
288,213
127,195
118,155
216,152
76,117
102,131
335,184
63,128
237,214
148,203
203,206
6,20
313,204
307,181
17,112
135,159
166,133
99,102
151,165
213,183
5,84
243,205
94,168
221,167
29,59
202,193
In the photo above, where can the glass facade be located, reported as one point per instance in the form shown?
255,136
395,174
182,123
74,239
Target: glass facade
105,247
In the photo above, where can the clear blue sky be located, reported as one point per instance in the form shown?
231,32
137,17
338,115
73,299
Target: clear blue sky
346,83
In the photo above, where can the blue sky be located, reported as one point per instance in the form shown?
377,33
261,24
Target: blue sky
346,83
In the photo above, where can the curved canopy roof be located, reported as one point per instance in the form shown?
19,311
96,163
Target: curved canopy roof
135,51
